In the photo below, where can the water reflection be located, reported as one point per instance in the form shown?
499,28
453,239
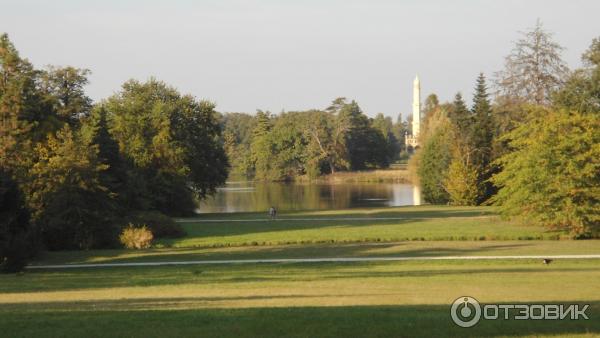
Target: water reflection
238,196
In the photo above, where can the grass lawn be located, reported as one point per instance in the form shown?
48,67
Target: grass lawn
408,223
394,249
353,299
298,300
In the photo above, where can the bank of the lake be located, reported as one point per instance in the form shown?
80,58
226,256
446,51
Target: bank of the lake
326,194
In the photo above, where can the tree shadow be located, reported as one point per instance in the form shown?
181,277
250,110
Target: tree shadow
387,249
302,321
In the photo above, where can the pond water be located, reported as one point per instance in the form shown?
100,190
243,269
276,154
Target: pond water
240,196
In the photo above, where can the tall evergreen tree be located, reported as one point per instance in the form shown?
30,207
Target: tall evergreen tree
481,137
460,115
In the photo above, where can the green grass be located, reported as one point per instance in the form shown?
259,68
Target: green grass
415,224
298,300
395,249
376,299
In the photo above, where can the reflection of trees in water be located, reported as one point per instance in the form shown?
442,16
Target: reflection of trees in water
249,196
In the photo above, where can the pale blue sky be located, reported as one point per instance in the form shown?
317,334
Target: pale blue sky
274,55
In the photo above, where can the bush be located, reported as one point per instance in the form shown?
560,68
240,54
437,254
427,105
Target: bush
17,254
160,224
136,238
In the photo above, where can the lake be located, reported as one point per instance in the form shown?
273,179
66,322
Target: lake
240,196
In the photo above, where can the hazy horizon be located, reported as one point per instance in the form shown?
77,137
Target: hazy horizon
270,55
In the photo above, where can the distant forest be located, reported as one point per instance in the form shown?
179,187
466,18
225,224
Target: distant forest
310,143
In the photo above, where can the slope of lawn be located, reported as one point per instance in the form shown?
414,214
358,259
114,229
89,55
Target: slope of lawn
355,225
382,299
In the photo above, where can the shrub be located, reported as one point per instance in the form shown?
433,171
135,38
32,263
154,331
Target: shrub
160,224
17,254
136,238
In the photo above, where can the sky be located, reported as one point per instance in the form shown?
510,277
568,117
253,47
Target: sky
288,55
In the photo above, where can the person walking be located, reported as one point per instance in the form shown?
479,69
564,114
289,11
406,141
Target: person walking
272,212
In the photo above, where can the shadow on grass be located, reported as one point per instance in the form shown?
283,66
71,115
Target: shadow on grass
345,321
428,211
106,278
392,249
465,225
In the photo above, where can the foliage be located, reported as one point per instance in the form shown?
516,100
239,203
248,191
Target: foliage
534,69
136,237
63,89
161,225
481,138
581,92
434,159
70,207
460,116
327,142
171,143
314,142
19,109
237,136
461,179
552,177
16,240
366,146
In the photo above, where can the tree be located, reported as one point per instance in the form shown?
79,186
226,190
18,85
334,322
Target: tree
326,141
237,138
70,207
117,177
434,159
582,90
431,104
461,178
359,150
391,147
288,145
534,69
261,146
16,243
19,112
552,176
460,116
63,88
172,143
481,138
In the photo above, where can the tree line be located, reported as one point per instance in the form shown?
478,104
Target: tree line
311,143
533,150
74,173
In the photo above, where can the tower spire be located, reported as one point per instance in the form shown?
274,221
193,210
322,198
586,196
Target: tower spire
416,122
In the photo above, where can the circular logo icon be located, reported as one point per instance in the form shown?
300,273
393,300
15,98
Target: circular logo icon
465,311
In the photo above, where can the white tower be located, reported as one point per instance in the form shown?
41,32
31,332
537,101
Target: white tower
416,108
413,140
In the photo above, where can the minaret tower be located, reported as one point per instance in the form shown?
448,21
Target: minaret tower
416,108
413,140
